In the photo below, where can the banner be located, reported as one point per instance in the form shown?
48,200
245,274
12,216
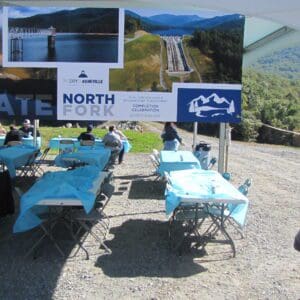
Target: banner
133,64
83,94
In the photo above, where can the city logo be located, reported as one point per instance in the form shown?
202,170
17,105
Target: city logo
82,74
209,104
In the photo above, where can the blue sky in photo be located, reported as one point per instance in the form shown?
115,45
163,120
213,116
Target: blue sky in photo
23,12
202,14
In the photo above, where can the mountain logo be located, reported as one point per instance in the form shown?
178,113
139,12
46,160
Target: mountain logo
213,106
82,74
214,103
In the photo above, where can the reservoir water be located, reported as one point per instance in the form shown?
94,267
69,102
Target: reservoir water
72,48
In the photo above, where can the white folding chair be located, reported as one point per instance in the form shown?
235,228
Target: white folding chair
66,146
87,143
155,163
14,143
156,154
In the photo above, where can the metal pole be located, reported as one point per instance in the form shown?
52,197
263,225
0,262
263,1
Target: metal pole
35,127
228,142
195,135
221,148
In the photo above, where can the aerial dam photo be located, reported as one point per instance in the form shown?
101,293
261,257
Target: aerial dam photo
177,62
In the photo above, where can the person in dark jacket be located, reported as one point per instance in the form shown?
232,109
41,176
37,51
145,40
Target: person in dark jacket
170,137
87,135
13,135
28,129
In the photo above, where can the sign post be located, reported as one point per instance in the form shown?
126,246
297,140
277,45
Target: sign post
195,135
222,141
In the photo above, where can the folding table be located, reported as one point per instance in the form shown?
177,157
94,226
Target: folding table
16,156
97,156
62,189
195,194
54,143
26,141
177,160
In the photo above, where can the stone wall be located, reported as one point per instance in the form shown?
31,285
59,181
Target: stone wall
273,135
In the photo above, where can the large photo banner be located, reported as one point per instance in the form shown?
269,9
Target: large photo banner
133,65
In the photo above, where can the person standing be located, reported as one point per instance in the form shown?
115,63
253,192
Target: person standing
170,137
28,129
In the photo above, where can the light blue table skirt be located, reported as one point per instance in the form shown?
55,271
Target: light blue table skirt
15,157
25,141
177,160
209,187
73,184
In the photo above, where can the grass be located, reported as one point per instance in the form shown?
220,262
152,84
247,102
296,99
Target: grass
142,142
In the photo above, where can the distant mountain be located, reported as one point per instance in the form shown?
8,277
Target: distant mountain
226,22
81,20
285,62
174,20
188,22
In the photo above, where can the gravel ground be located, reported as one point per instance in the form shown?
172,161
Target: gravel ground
141,265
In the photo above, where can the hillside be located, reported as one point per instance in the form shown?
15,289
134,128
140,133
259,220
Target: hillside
141,66
269,99
190,23
285,62
88,20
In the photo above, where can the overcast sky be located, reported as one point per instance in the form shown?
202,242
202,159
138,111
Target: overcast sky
23,12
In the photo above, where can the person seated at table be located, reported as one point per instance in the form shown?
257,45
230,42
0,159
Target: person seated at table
28,129
2,130
113,141
170,137
14,135
87,135
122,137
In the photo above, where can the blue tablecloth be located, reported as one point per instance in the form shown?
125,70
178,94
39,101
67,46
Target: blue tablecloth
16,156
73,184
177,160
25,141
206,187
54,143
98,157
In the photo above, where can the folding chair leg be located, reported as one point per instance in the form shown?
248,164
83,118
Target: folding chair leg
46,234
78,242
89,230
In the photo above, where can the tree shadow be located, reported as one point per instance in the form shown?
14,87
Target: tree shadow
140,248
146,189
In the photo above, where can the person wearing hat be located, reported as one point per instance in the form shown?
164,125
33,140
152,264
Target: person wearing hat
87,135
28,129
